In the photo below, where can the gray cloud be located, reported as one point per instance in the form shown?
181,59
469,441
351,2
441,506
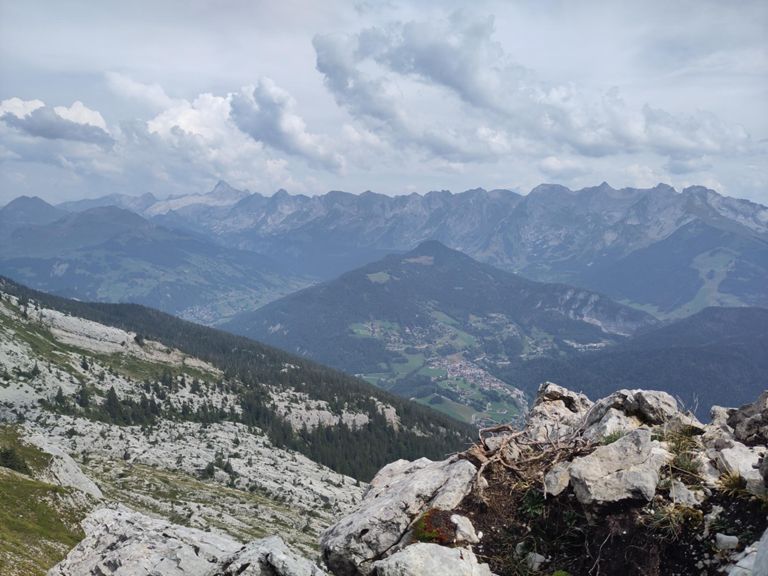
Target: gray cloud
267,114
461,56
45,123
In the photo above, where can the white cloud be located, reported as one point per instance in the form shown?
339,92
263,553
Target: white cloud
566,168
151,94
18,107
34,119
79,113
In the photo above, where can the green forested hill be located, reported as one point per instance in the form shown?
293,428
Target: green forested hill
718,356
428,323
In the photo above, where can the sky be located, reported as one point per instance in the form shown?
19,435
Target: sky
170,96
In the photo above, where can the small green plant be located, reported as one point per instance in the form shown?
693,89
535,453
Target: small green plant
10,458
434,526
686,463
670,521
532,505
612,437
733,484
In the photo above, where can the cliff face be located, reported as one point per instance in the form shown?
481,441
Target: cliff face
628,484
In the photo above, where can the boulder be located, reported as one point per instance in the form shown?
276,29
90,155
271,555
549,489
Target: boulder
626,469
743,461
266,557
465,532
122,542
398,495
556,413
760,565
681,494
650,407
726,541
750,422
557,479
431,559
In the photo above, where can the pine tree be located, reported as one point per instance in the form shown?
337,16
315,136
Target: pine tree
83,397
112,406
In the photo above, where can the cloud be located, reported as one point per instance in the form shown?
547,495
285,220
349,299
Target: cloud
472,80
556,167
79,113
76,123
267,114
408,115
152,95
18,107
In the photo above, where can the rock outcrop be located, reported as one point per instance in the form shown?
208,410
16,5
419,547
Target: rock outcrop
123,542
628,483
398,495
624,470
421,558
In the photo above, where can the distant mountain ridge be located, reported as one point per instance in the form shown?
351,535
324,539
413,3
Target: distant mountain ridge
112,254
621,242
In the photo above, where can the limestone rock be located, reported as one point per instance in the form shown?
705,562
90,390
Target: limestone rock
122,542
649,407
266,557
760,565
625,469
726,542
465,532
400,493
556,412
431,559
63,471
743,461
681,494
750,422
557,479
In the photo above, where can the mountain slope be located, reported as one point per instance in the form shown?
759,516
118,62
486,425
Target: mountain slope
115,255
427,323
718,356
297,403
25,211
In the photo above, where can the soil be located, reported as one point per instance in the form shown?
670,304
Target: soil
629,539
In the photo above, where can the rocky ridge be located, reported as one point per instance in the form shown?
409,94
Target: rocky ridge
629,483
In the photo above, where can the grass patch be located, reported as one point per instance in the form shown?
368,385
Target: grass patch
38,524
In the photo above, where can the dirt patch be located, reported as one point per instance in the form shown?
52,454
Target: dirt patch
631,539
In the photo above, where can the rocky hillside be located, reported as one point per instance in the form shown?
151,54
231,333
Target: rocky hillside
129,365
92,414
628,484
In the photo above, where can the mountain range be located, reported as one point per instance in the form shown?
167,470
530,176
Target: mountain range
670,253
111,254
